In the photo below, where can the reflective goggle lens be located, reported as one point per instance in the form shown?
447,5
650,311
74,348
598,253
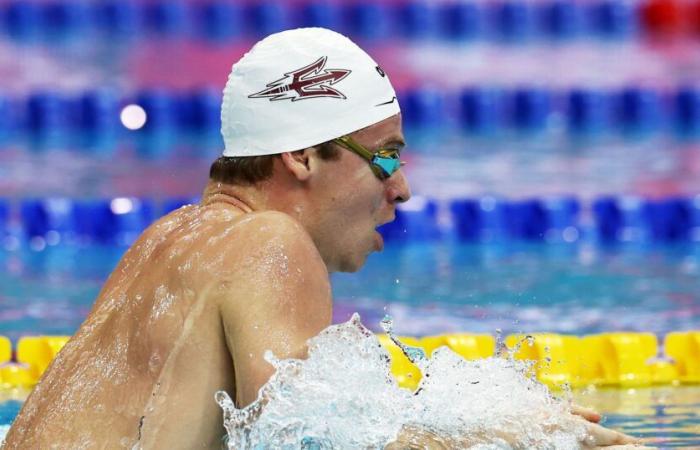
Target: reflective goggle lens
387,162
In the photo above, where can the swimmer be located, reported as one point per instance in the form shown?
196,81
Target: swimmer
311,167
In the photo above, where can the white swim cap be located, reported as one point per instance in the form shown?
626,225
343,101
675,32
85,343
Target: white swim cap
300,88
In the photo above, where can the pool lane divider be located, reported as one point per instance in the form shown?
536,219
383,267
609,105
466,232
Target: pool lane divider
552,219
589,114
219,21
623,360
608,360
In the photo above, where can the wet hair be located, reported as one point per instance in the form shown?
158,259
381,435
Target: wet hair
248,170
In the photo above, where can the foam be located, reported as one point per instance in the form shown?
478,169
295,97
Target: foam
343,396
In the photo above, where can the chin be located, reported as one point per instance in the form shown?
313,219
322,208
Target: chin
352,264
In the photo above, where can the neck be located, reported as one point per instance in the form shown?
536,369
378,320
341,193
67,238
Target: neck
239,197
270,195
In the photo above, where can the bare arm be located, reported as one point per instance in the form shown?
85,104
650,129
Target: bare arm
414,437
277,297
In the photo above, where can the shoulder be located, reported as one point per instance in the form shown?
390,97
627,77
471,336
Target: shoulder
274,269
273,245
272,224
270,231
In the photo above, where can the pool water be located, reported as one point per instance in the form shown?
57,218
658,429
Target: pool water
512,287
569,288
563,288
667,417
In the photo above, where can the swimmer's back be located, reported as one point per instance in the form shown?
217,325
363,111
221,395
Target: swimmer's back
144,365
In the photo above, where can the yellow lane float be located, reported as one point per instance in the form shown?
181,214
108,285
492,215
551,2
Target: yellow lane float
606,359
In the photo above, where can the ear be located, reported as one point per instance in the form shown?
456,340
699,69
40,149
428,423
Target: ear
300,163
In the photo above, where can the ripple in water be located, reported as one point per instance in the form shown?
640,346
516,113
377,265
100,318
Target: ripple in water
343,396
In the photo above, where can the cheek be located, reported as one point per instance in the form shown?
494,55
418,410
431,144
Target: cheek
364,203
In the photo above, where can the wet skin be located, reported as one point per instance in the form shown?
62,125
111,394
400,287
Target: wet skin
205,291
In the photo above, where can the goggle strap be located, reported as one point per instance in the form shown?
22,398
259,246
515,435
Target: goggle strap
348,143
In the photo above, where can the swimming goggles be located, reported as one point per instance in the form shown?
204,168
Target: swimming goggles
384,162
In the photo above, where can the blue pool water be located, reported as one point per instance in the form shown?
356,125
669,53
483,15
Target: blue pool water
566,288
434,288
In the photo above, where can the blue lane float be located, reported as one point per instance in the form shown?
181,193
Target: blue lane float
588,112
422,107
415,221
200,110
96,111
45,112
162,109
219,20
479,110
635,219
21,20
319,14
117,19
612,19
511,21
166,18
555,219
639,109
367,20
686,106
111,221
508,21
4,216
460,21
42,216
560,20
267,17
416,20
63,20
530,109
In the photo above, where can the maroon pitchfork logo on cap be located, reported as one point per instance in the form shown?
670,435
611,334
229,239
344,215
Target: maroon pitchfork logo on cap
308,82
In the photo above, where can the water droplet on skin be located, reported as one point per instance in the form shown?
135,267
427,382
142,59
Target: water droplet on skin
154,362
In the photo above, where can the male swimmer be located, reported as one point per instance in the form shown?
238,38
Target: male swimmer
310,169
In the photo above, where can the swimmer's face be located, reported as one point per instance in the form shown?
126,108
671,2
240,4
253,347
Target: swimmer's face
355,202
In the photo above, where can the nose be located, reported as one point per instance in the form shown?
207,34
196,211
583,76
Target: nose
398,190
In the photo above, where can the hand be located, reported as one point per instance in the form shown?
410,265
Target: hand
600,437
604,437
589,414
417,438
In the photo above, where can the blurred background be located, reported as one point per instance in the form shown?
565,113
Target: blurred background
554,153
554,156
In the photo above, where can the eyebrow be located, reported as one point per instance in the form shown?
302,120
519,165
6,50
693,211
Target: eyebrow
393,142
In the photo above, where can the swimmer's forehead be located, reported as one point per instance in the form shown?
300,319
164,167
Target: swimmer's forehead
385,134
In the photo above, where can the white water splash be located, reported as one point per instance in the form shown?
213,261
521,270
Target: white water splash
3,432
343,396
